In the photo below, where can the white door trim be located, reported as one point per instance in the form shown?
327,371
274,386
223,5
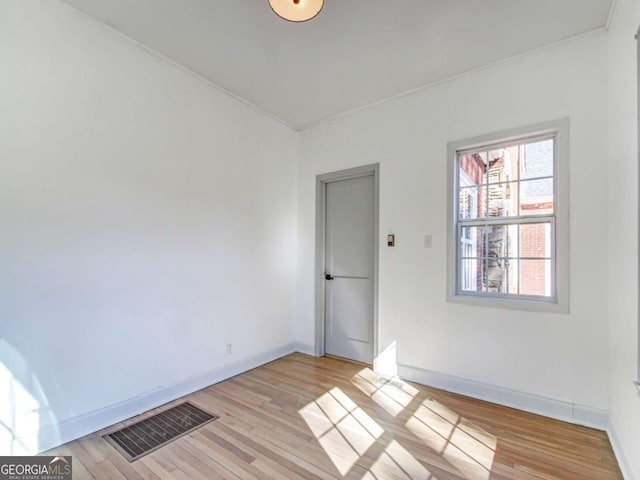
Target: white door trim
321,181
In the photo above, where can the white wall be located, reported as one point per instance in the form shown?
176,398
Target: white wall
623,221
561,357
146,219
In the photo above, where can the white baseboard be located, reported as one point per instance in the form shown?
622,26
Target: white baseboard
304,348
558,409
76,427
623,461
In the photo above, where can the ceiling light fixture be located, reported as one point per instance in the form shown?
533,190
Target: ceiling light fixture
296,10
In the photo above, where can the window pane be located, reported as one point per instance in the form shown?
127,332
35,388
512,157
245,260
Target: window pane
535,277
472,169
494,242
495,274
470,241
471,202
471,275
503,164
503,199
535,240
536,197
512,275
511,247
538,160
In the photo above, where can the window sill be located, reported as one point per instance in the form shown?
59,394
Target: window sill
543,306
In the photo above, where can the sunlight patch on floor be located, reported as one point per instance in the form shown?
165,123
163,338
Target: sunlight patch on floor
397,462
392,394
465,446
346,433
343,429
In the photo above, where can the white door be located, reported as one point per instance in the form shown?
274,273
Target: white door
349,268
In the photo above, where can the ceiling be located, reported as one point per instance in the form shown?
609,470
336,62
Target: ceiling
356,52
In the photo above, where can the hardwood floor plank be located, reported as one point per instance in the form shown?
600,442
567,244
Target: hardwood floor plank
231,462
157,468
79,468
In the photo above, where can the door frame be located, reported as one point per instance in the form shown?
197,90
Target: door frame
321,216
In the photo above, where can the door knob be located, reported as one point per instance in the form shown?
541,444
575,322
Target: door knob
328,277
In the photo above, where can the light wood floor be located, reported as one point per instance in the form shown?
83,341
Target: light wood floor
302,417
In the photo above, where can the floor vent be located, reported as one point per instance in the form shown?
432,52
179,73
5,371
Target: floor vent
148,435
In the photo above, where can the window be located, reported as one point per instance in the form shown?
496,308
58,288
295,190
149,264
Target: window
508,219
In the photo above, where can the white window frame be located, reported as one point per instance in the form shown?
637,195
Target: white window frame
558,301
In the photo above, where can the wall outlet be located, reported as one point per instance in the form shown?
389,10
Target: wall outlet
229,348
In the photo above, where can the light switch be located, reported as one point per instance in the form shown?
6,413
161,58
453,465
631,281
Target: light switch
428,241
391,240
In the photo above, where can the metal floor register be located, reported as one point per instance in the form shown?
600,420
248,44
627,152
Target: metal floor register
148,435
